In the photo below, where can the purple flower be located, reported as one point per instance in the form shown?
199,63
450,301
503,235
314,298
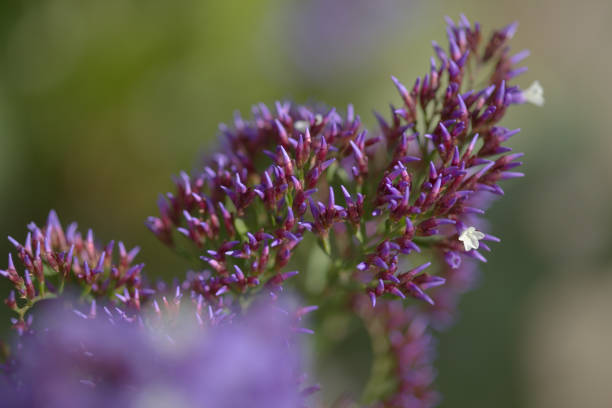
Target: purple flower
55,259
248,204
75,361
333,38
410,343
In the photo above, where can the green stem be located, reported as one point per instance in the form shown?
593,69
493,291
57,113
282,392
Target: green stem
381,382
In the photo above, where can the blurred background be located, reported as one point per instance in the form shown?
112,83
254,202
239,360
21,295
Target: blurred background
101,102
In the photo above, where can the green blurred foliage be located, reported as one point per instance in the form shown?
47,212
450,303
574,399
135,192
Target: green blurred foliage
101,102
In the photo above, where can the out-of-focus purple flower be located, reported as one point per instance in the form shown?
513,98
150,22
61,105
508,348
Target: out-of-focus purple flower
73,361
333,38
410,343
459,280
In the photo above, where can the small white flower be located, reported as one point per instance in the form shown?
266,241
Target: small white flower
534,94
301,125
470,238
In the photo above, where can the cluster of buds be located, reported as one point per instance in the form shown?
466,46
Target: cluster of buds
249,207
448,153
435,201
54,259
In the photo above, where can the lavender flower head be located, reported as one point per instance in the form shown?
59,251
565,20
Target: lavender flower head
77,361
399,211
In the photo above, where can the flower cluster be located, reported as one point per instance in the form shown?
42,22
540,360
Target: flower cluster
255,200
110,361
447,154
249,205
399,211
54,259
